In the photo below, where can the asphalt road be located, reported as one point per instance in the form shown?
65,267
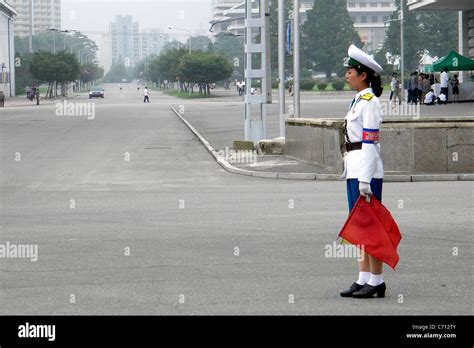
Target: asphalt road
158,234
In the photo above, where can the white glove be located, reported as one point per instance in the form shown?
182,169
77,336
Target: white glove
364,189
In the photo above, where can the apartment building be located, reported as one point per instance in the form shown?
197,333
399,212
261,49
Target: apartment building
369,16
36,15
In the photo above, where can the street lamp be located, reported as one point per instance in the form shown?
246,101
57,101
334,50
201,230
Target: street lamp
188,31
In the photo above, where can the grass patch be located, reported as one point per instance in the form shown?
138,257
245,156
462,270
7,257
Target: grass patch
185,95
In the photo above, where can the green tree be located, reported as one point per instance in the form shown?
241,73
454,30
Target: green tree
199,43
326,35
232,47
91,72
166,66
23,76
432,31
48,41
53,68
205,68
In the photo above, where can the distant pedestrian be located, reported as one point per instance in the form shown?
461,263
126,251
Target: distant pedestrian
37,96
444,82
430,98
2,99
395,89
455,86
426,87
120,86
414,87
421,80
146,95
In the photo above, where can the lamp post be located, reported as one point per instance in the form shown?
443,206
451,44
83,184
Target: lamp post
281,66
296,59
188,31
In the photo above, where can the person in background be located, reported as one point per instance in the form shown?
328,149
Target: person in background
146,95
395,89
432,79
430,98
414,87
444,81
421,81
426,87
409,89
455,86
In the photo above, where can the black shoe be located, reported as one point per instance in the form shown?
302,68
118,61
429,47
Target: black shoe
354,287
369,291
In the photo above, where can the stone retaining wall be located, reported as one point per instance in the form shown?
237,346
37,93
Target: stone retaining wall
424,146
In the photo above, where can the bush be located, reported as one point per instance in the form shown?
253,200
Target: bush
275,84
307,85
322,86
338,85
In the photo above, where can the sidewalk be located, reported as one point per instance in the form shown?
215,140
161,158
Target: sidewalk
23,101
217,126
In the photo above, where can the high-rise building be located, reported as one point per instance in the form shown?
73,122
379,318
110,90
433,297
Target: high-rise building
36,15
227,15
369,17
7,50
104,54
152,42
125,41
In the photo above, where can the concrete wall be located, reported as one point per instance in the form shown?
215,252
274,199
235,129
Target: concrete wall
409,147
7,54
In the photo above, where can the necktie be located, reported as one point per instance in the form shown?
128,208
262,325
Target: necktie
353,101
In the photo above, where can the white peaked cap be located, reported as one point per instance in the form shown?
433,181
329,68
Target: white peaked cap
360,59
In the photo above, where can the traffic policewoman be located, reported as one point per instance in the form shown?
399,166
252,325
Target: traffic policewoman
363,168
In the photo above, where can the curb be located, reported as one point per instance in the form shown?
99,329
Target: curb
315,177
48,102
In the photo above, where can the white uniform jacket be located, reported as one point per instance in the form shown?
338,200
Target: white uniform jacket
364,120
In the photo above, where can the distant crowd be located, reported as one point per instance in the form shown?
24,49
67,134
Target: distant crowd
421,88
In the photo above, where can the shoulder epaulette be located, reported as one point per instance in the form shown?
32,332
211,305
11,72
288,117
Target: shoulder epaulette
367,96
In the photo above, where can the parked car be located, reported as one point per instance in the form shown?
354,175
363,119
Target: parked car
96,92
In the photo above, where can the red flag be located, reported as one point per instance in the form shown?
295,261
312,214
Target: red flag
371,226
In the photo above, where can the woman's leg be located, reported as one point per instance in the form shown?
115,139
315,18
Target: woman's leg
353,194
376,266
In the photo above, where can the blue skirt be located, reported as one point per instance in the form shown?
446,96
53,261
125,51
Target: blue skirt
353,192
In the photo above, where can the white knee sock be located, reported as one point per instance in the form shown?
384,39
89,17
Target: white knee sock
363,278
375,279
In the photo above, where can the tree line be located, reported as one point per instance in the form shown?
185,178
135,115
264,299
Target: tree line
53,62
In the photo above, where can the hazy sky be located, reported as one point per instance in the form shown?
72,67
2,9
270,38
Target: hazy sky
92,17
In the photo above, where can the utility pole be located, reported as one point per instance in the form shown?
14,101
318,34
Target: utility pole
256,127
402,49
281,66
296,58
